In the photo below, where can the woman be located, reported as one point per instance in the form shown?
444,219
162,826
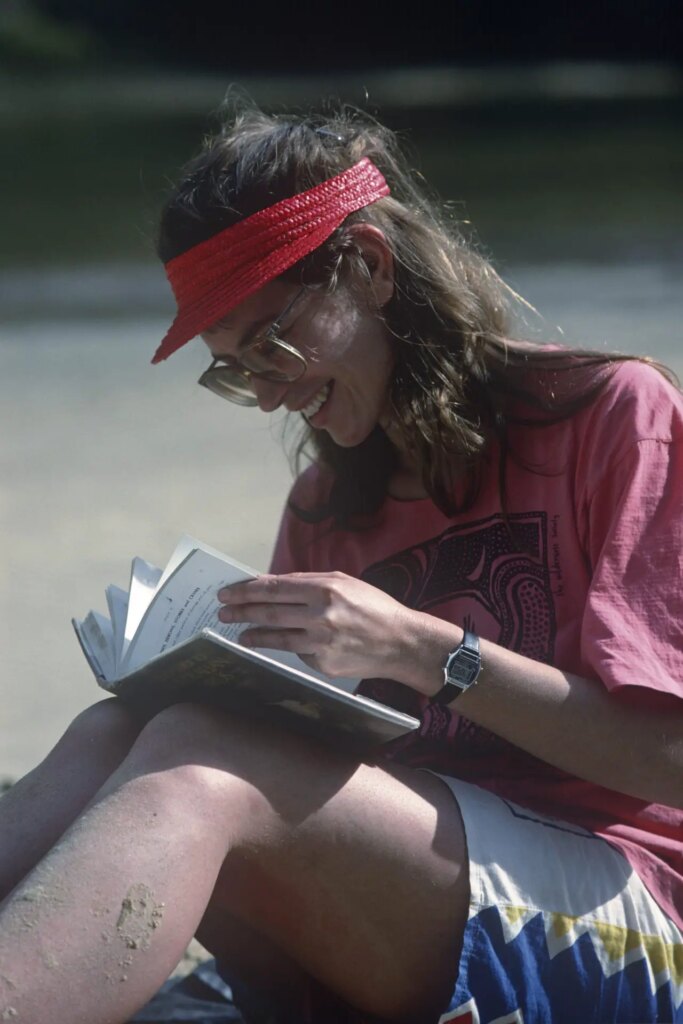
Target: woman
489,534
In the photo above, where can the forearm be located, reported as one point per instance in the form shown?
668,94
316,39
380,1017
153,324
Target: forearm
343,626
564,719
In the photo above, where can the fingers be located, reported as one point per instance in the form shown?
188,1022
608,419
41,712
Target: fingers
294,640
280,610
289,588
287,613
340,621
279,616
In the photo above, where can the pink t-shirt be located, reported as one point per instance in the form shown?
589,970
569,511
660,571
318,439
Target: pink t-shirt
586,575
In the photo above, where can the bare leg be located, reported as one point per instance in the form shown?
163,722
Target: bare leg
40,807
358,874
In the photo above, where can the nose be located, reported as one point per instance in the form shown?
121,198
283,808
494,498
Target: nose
269,394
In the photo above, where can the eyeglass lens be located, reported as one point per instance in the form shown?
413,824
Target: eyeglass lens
229,382
274,358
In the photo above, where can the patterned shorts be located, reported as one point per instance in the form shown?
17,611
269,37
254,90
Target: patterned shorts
560,930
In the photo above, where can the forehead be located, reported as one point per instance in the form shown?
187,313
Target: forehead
253,314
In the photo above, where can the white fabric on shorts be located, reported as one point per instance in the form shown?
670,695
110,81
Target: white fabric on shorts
560,928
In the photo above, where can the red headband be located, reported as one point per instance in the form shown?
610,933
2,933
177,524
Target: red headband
215,276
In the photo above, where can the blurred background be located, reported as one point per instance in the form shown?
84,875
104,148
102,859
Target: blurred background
555,130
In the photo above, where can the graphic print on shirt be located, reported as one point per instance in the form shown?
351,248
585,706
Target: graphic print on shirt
501,569
492,575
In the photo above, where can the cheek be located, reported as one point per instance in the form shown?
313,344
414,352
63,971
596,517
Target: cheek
356,346
338,334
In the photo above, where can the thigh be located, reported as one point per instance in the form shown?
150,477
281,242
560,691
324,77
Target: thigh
369,892
356,871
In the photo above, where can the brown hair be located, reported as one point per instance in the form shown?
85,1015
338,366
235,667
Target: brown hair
458,381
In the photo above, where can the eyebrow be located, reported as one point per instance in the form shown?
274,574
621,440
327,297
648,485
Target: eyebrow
254,330
251,332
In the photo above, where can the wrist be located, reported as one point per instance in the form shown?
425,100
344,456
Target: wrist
425,645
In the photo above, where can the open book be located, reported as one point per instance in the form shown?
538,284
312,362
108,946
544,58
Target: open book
163,642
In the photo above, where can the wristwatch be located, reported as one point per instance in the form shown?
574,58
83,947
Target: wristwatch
461,670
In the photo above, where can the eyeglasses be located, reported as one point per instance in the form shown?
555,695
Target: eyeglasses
267,357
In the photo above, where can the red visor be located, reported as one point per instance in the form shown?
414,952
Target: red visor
215,276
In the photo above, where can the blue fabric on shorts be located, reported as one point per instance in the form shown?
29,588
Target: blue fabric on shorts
560,929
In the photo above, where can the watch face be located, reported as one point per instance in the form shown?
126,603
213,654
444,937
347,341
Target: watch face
464,664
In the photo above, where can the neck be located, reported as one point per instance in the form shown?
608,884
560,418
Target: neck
406,485
406,482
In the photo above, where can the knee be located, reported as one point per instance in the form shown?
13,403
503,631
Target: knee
192,754
206,737
194,742
107,728
185,732
238,764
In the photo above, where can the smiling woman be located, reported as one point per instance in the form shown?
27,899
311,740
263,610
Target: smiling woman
488,535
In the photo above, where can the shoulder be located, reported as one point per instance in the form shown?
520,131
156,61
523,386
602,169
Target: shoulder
637,403
630,438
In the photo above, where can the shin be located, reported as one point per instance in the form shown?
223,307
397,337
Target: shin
40,807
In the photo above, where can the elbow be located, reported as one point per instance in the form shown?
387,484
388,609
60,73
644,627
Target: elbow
652,732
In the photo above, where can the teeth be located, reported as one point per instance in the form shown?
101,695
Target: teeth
316,402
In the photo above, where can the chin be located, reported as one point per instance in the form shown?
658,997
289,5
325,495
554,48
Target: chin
350,439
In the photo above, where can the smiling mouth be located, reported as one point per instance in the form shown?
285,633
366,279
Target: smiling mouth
317,402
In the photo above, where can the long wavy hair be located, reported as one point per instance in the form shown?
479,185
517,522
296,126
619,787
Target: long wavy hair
459,382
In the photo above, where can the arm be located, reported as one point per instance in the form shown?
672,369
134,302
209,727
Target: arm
344,626
568,721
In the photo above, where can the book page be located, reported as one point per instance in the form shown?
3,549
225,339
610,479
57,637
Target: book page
144,579
185,603
117,603
97,637
187,544
164,609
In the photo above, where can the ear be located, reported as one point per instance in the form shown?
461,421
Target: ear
374,249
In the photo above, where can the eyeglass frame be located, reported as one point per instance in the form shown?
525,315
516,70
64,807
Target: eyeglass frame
236,365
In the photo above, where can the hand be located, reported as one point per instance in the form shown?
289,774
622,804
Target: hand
336,623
